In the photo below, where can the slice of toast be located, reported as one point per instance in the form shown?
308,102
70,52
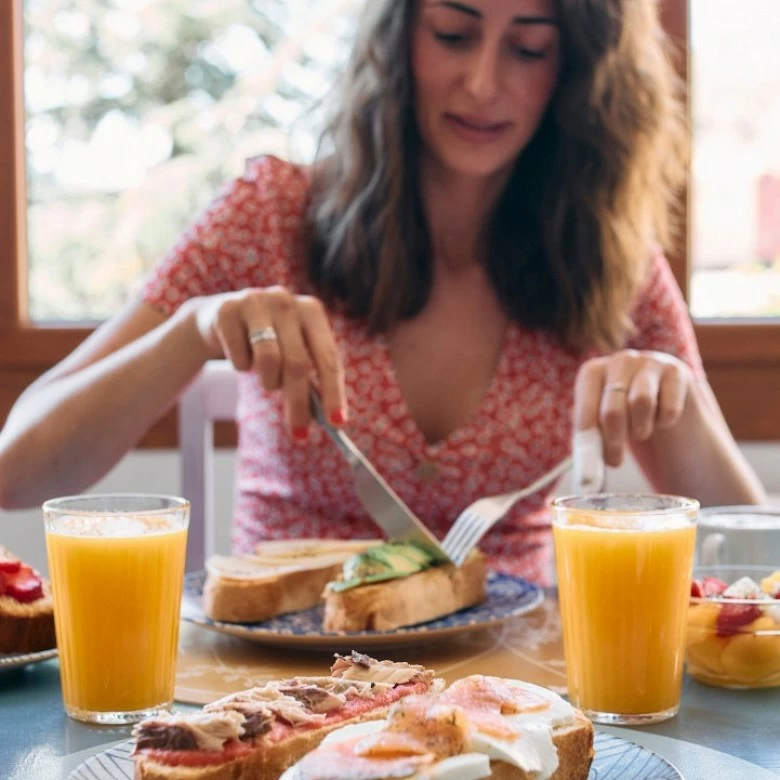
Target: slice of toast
574,744
363,683
479,727
418,598
281,577
26,627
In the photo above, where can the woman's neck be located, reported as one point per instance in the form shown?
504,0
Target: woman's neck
457,209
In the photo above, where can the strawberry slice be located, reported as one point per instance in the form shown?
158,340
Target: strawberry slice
697,589
2,584
9,565
732,617
712,586
25,585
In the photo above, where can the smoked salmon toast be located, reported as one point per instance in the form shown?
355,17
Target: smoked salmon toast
479,727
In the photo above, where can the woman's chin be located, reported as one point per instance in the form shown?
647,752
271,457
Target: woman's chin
475,166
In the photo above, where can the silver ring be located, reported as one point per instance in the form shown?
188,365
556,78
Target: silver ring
263,334
616,387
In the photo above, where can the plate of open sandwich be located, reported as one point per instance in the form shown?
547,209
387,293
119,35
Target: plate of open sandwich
373,720
335,595
26,614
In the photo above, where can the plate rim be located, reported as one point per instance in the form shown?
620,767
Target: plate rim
400,636
16,660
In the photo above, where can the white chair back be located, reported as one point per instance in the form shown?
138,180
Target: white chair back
212,396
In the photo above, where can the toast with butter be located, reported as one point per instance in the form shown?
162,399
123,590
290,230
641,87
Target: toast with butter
281,577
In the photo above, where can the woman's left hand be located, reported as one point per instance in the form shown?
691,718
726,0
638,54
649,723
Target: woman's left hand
629,395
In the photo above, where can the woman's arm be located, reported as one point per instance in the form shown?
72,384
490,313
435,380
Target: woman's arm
698,456
72,425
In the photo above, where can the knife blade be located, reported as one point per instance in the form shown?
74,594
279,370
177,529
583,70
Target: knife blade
380,501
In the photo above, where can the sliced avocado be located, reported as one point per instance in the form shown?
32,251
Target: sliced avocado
400,563
364,564
388,561
414,553
342,585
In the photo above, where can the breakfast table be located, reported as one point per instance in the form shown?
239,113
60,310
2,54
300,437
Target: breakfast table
719,734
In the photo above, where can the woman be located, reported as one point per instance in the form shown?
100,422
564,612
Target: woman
475,257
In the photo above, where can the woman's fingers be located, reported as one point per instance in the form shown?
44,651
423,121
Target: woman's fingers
643,401
263,339
231,333
587,394
325,354
628,396
672,394
296,363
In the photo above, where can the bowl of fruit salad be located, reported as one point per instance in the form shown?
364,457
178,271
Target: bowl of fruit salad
733,637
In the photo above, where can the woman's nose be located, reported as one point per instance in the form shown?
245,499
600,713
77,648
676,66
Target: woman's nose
482,76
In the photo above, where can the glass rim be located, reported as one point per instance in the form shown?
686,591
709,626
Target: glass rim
60,504
741,509
684,504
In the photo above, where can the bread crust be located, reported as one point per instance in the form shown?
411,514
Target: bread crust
302,575
417,598
250,601
575,754
27,628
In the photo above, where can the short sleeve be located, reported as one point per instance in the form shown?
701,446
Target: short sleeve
661,318
248,236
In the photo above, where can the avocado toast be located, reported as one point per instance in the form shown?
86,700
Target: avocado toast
398,584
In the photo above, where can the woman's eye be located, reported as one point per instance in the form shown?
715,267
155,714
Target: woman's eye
524,53
451,39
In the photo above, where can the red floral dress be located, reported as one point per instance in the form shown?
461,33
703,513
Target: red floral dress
250,237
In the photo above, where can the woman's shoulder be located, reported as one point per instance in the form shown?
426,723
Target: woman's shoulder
277,181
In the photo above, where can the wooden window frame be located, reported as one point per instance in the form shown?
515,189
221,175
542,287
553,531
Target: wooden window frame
742,358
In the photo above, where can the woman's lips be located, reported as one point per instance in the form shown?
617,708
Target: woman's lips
476,130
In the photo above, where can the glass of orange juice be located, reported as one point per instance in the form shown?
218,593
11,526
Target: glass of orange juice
624,577
116,564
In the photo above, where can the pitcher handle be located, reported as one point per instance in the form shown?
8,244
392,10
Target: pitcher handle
710,549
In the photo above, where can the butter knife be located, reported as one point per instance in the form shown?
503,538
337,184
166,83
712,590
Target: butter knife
380,501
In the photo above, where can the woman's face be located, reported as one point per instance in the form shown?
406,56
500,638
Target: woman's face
484,72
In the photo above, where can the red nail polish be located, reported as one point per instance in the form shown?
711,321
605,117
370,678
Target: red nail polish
300,434
338,417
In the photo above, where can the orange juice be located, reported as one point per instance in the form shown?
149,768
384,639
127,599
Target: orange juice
117,597
624,586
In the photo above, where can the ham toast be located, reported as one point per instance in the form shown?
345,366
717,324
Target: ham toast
259,733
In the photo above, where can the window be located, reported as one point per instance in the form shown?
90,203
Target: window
137,110
121,135
735,96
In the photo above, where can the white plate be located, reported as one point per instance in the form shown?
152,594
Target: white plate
18,660
507,597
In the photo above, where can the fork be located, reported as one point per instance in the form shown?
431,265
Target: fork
478,518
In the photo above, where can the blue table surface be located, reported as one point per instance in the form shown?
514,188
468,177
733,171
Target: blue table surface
36,736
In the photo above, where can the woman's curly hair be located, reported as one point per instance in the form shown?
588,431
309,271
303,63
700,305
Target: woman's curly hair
590,195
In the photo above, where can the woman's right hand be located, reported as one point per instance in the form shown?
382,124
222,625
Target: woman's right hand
303,340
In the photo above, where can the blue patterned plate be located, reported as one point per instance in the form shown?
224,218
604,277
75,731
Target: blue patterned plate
507,597
616,759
